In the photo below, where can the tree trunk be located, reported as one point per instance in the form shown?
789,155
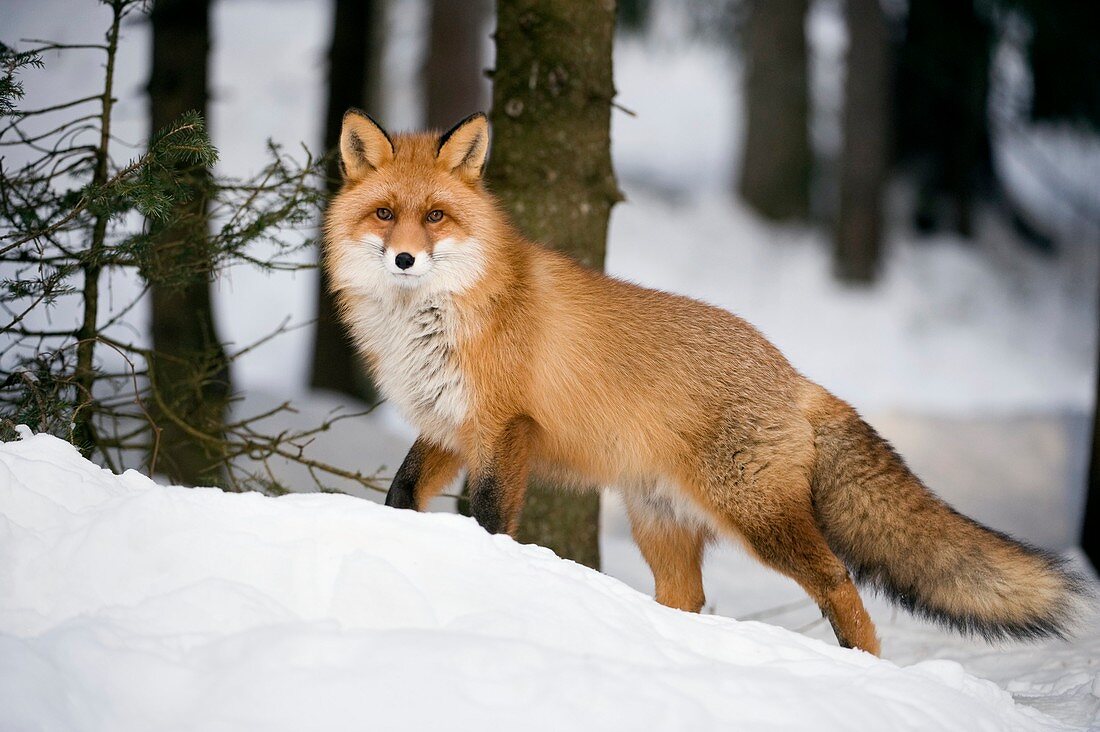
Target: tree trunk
942,117
777,161
551,167
1064,58
189,371
454,78
866,142
1090,535
634,15
83,428
353,65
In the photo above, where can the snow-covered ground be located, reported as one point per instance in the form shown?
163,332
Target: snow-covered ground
125,605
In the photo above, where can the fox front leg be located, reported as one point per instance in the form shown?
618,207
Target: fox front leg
498,485
426,470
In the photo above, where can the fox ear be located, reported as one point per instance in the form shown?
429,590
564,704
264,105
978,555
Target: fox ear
464,148
364,145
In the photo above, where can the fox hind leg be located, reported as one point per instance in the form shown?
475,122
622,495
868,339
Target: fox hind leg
673,549
779,528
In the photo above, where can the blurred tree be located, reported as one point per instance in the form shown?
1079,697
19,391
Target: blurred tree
551,168
941,123
942,92
191,370
1090,532
634,15
454,79
865,158
354,63
1064,55
777,161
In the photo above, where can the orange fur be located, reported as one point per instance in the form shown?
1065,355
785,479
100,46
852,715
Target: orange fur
512,359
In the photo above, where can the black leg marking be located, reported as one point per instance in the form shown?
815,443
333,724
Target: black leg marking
485,503
402,492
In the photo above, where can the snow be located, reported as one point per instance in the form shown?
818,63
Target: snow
128,605
1055,676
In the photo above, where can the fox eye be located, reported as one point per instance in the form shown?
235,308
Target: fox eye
384,213
435,216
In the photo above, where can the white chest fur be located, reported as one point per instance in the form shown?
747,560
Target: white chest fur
413,343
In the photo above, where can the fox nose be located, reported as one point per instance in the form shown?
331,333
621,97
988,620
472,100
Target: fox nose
404,260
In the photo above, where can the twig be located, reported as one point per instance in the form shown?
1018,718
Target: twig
777,610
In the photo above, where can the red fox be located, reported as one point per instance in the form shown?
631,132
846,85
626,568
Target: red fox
512,359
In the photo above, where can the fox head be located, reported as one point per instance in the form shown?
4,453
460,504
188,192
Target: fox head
412,214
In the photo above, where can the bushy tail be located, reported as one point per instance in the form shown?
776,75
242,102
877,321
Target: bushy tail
897,536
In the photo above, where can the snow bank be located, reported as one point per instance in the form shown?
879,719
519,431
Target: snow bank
130,606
